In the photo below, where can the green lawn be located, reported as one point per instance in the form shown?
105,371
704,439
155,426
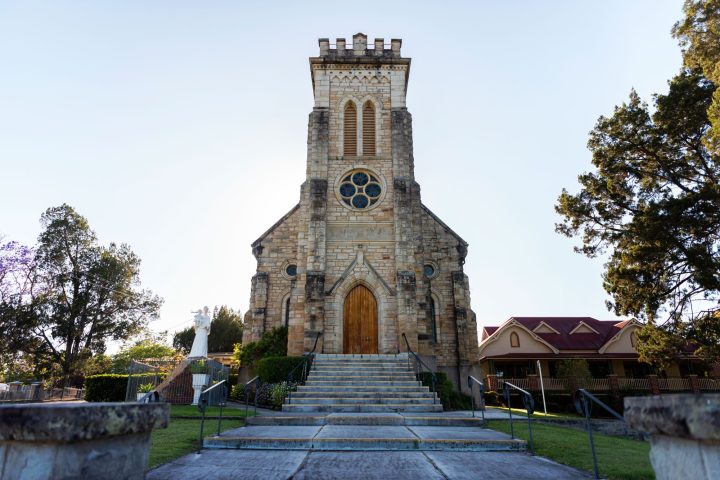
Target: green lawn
193,411
540,415
618,458
181,436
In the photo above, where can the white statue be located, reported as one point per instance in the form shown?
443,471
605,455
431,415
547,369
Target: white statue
202,330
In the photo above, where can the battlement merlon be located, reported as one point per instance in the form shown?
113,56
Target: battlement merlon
359,56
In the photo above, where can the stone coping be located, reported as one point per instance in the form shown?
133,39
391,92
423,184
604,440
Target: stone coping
681,415
42,422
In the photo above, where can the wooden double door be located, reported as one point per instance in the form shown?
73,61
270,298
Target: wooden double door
360,324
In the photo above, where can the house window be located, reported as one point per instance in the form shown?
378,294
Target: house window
633,340
433,320
350,130
368,129
514,340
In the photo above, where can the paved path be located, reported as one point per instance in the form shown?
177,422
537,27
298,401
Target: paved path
303,464
365,465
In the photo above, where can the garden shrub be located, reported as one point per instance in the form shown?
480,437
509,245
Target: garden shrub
492,398
273,343
111,387
278,393
451,399
276,369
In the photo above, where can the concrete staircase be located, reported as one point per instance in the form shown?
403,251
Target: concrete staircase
362,384
364,403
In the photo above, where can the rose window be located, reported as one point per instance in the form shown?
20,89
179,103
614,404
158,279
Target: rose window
360,189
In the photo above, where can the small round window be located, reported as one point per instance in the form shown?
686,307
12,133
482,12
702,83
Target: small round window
360,189
428,271
291,270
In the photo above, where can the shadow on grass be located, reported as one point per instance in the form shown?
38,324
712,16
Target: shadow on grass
618,458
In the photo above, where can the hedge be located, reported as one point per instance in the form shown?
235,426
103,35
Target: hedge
450,398
111,387
277,369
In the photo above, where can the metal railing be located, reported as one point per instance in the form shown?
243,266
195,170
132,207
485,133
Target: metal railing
584,407
472,381
529,404
256,382
419,365
305,364
203,404
150,397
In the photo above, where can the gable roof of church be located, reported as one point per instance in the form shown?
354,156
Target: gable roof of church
275,225
443,224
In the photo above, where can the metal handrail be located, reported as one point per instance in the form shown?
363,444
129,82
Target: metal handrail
418,361
471,384
581,397
202,406
306,364
255,380
150,397
529,404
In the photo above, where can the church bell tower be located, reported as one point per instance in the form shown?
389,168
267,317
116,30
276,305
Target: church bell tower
360,261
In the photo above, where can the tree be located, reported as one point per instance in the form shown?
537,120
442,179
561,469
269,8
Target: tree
654,202
699,36
143,349
225,331
77,295
575,369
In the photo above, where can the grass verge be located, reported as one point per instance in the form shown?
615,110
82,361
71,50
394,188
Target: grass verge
618,458
193,411
181,436
539,415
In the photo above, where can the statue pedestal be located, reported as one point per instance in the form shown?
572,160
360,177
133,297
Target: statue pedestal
48,441
684,433
199,383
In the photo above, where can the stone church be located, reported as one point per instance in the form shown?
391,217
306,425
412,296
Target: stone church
360,260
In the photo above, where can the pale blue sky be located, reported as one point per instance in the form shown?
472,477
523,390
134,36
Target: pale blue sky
179,128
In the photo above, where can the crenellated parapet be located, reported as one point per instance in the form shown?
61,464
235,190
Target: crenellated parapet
359,48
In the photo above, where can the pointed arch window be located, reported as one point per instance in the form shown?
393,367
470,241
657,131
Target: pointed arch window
287,311
350,130
368,129
433,320
514,340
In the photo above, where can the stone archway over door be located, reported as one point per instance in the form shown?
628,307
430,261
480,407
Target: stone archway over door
360,321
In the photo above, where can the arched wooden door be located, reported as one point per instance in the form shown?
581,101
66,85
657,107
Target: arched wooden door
360,331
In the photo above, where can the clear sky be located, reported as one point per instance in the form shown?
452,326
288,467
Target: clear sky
180,128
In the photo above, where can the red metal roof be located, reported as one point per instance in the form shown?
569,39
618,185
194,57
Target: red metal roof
564,340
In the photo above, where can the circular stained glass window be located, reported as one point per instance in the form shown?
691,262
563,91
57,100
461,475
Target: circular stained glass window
428,271
360,189
291,270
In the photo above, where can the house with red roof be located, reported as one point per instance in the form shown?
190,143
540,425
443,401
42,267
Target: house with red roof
523,346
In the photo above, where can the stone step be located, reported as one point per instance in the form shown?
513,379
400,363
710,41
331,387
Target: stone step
368,407
359,401
367,419
356,366
344,394
361,371
362,444
364,438
404,377
357,356
362,383
362,388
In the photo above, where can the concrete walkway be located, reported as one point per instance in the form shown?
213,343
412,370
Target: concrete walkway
351,465
344,461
